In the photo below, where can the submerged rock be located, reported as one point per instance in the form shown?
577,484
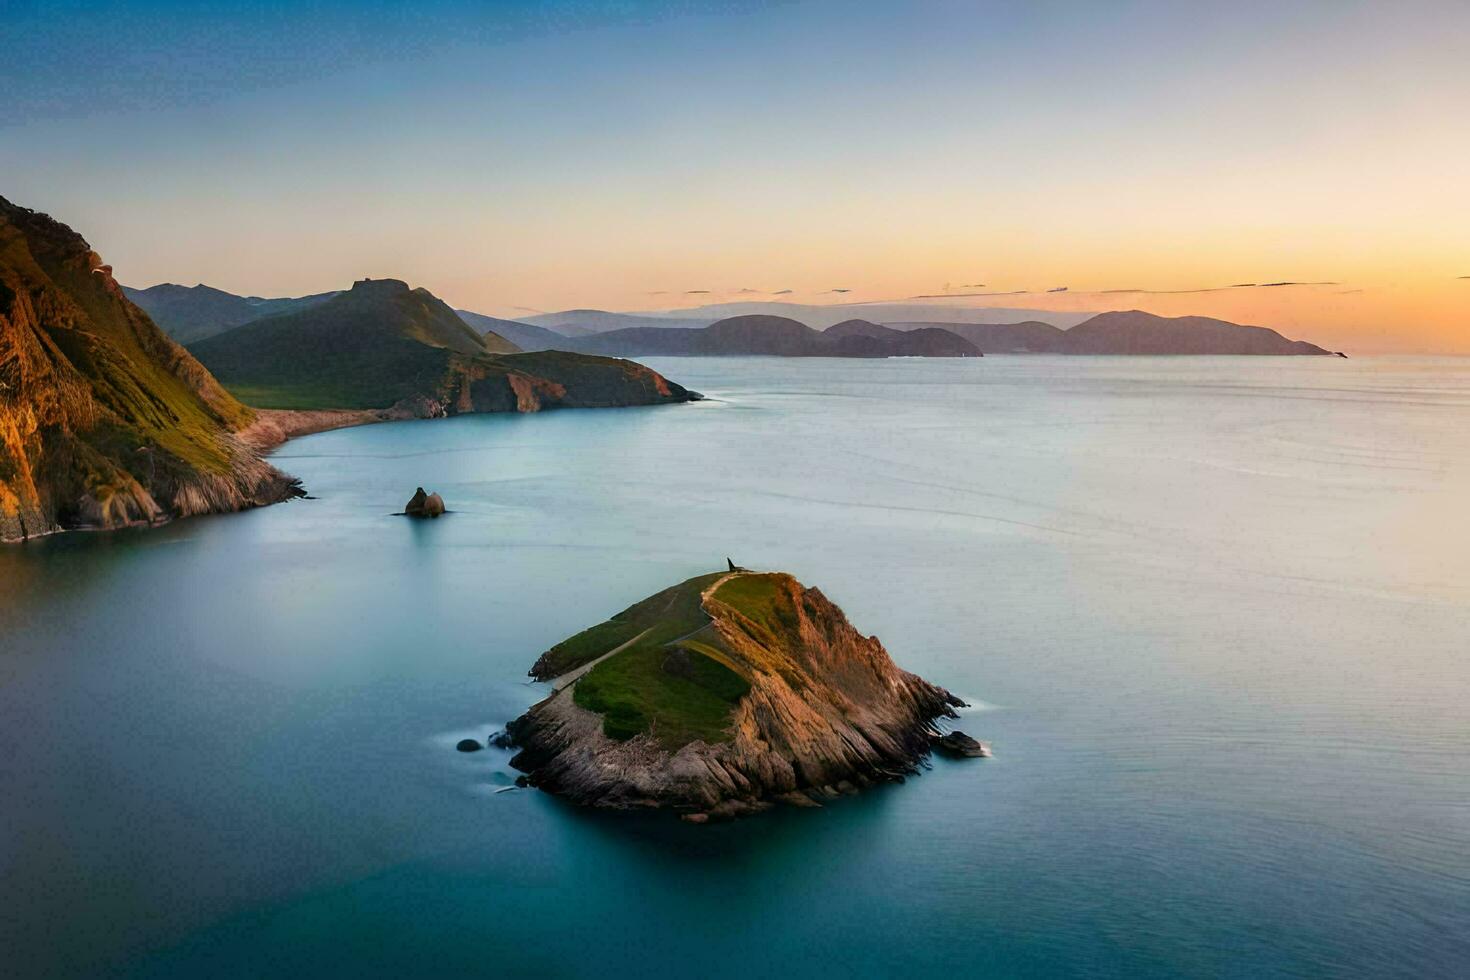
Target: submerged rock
720,697
468,745
962,746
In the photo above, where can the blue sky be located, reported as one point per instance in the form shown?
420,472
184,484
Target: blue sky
548,155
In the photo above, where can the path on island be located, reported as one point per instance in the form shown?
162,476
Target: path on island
562,681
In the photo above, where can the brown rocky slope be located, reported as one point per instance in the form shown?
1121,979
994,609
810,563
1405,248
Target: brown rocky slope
105,421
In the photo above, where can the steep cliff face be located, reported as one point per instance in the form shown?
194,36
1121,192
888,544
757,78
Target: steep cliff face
766,694
104,421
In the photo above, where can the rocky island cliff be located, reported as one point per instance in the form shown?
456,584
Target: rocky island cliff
104,420
720,697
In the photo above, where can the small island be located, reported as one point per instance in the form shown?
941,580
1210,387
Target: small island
720,697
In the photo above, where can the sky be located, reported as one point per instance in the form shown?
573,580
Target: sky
515,156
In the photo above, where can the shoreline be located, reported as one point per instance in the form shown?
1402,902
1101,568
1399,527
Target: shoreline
273,427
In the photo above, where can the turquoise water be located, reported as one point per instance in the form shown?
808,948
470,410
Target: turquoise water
1212,612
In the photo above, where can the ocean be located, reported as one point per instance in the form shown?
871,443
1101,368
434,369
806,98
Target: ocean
1213,615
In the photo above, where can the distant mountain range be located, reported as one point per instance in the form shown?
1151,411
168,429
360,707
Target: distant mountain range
778,336
190,313
821,317
195,313
1026,337
577,323
526,336
1137,332
381,344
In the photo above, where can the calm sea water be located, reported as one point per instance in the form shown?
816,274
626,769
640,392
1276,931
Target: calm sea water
1213,614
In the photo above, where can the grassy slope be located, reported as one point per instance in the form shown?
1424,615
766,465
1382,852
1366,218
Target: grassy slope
133,369
366,348
680,687
678,681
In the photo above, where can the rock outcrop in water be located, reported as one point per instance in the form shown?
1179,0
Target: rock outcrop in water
720,697
424,504
105,421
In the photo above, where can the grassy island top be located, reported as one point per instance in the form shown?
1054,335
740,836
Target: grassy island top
660,666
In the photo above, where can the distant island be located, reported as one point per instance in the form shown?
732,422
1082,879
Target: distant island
723,696
1122,332
106,421
194,313
1129,332
778,336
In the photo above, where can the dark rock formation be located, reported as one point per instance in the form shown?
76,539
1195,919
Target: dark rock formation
105,421
795,704
423,504
960,745
468,745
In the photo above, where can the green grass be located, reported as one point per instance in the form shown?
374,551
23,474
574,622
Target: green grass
300,397
760,599
674,681
675,693
671,613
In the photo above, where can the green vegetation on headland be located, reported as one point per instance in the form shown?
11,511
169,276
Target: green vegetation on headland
674,677
668,614
676,692
104,421
382,344
721,695
672,680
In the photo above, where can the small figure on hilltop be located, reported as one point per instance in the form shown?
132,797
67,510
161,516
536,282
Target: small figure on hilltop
424,505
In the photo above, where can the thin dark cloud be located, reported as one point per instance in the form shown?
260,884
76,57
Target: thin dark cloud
1347,292
1059,289
839,290
746,291
659,292
696,292
1167,292
1013,292
973,285
1462,277
1267,285
783,292
1211,289
527,309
